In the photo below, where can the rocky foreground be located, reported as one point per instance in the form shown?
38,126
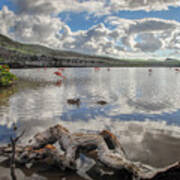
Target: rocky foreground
103,150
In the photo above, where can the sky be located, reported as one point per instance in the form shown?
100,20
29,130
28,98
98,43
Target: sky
128,29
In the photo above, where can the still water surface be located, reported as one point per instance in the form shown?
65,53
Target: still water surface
143,108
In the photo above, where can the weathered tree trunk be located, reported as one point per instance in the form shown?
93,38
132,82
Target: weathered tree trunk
104,148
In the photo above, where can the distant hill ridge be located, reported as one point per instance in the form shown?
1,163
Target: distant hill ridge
35,49
19,55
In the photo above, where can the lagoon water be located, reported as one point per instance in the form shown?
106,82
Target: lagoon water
143,108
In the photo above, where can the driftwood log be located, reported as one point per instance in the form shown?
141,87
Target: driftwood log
103,149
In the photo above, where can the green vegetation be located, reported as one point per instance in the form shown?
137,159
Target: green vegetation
6,77
21,55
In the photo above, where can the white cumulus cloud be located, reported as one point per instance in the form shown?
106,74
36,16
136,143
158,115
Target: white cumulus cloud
37,21
96,7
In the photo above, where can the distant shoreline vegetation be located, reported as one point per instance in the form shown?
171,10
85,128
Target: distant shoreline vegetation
18,55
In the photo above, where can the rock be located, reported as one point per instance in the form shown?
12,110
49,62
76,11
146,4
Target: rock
74,101
101,102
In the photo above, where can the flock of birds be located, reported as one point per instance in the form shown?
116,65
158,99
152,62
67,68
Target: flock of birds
60,71
77,101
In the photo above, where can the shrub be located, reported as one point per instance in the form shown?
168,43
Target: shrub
6,77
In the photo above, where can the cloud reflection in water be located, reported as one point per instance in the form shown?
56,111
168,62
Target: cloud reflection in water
142,110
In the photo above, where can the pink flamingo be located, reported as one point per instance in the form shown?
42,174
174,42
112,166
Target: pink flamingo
96,68
59,74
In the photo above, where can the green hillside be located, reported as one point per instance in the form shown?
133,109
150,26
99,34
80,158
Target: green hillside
19,55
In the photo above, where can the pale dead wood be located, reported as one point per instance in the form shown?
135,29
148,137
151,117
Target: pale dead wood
104,148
